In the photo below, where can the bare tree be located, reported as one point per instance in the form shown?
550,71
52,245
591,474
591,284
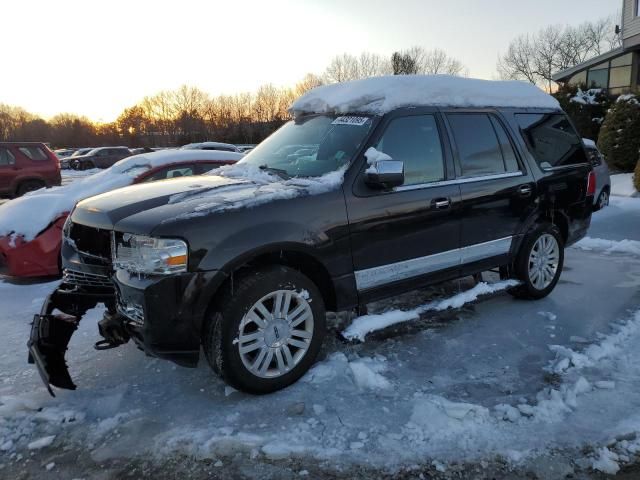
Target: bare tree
437,61
347,67
535,58
429,62
403,64
518,62
309,81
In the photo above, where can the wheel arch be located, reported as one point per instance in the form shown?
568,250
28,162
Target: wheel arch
554,216
289,255
22,180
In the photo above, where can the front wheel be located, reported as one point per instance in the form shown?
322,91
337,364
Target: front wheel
268,332
539,263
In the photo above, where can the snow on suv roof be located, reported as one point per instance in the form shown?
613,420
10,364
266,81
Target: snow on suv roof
380,95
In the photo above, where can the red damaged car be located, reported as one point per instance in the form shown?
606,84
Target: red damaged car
31,226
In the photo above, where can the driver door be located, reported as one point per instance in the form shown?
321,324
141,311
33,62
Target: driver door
408,235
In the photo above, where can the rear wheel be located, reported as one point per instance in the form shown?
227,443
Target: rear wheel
539,263
268,332
29,186
603,199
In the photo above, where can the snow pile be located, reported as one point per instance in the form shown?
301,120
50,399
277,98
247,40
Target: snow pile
587,97
382,94
593,354
622,185
434,418
365,373
30,214
630,247
41,442
629,97
362,326
606,461
251,186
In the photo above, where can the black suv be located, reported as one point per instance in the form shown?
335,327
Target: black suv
329,213
101,157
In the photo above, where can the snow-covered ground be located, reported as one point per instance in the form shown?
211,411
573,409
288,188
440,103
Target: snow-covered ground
469,380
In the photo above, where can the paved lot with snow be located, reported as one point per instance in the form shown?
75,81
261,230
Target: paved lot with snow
494,387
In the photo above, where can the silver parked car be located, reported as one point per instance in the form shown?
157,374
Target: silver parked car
600,168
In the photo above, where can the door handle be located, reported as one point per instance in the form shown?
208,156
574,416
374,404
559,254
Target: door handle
525,190
441,203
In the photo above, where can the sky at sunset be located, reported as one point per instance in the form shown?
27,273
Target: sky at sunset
96,57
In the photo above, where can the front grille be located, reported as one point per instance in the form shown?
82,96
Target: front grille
92,241
86,279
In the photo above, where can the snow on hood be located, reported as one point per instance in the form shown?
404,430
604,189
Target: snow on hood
30,214
252,186
383,94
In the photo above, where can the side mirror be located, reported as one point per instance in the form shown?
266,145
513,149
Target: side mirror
385,174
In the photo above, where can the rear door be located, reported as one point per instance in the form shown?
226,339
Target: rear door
497,190
402,236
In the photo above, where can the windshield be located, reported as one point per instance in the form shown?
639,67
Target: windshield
311,146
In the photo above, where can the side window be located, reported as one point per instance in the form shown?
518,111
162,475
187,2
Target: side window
477,142
6,157
551,139
34,153
171,172
508,154
201,168
415,140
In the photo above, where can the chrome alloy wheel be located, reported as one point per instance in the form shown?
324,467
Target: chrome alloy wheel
603,200
275,333
543,261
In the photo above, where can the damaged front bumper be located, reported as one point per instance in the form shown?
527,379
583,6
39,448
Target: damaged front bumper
51,331
163,316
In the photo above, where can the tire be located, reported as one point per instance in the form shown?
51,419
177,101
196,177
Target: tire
603,200
543,237
29,186
271,359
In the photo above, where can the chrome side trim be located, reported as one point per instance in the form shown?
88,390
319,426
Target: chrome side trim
480,251
393,272
458,181
565,167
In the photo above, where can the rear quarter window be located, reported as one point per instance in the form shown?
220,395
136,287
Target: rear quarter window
551,139
34,153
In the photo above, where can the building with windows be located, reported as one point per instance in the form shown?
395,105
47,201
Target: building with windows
617,70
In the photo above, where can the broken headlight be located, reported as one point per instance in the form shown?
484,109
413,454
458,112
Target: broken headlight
148,255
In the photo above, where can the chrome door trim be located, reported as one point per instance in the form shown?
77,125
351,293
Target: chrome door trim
458,181
393,272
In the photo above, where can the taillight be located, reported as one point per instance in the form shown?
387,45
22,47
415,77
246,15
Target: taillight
591,183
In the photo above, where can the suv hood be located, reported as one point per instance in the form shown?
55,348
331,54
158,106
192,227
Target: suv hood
144,207
160,199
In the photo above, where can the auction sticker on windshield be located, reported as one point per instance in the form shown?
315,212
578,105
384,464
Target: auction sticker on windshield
358,121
